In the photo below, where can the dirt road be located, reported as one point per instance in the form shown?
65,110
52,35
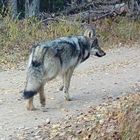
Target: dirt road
95,81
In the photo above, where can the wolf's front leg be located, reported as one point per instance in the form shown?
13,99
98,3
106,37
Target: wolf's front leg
62,86
42,96
67,78
66,93
30,105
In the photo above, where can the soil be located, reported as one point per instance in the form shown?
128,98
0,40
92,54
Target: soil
96,81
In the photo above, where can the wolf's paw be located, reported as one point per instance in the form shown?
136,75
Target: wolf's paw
30,108
67,98
43,102
61,88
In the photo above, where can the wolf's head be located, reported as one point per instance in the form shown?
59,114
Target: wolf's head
93,41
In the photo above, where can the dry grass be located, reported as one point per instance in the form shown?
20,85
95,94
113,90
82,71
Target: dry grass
17,37
120,30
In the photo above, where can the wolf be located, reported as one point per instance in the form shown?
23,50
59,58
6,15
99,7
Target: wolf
58,57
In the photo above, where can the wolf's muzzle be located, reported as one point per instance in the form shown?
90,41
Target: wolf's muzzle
100,53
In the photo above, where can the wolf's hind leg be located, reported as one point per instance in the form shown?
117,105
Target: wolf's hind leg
42,96
67,78
30,105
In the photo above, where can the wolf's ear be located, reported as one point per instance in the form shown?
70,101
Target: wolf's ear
90,33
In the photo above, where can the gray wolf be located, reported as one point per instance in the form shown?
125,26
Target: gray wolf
58,57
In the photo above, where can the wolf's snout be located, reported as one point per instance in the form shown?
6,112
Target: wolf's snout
100,53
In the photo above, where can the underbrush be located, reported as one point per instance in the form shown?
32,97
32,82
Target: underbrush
118,31
121,119
18,36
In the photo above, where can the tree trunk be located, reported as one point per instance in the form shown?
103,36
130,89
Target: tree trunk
132,7
12,6
31,8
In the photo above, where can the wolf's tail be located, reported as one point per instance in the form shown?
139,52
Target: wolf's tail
35,72
33,83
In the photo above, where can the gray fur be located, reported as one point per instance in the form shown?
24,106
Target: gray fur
57,57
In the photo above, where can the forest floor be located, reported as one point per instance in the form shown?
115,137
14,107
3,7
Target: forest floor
96,83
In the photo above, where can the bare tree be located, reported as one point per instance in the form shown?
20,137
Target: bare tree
31,8
132,2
